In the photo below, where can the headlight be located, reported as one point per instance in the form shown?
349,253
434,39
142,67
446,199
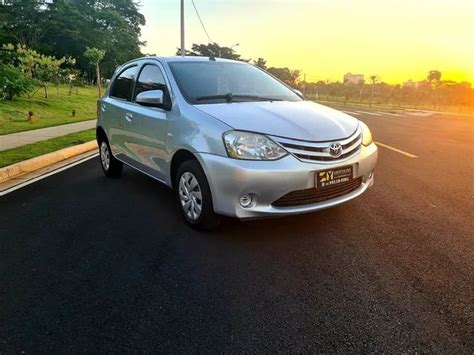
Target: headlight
366,135
251,146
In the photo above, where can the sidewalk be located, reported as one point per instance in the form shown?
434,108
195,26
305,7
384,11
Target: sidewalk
9,141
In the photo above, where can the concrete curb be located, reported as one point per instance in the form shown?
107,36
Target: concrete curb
27,166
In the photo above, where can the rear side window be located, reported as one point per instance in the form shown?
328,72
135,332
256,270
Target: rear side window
123,84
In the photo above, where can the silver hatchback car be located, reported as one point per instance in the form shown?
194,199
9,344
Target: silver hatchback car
231,139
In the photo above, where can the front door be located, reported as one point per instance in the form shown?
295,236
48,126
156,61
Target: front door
148,125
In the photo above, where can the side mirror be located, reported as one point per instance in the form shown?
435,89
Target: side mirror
299,93
150,98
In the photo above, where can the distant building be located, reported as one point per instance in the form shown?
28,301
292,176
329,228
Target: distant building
350,78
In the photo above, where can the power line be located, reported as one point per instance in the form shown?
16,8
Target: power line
202,23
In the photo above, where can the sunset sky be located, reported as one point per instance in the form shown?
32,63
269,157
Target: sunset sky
395,39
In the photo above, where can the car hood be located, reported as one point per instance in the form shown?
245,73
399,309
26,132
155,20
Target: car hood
304,120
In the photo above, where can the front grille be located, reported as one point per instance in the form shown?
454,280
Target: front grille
309,196
319,151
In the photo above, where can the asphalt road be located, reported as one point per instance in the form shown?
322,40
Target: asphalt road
89,264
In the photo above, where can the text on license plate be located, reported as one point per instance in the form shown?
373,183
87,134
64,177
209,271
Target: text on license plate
333,177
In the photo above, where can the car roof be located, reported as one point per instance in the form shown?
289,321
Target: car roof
195,59
183,59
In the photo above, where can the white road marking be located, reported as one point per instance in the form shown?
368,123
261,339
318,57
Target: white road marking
420,114
352,113
26,183
379,113
397,150
370,113
390,114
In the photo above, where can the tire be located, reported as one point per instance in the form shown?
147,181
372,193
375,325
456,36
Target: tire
194,198
112,167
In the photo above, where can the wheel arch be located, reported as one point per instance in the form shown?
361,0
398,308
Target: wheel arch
179,157
100,134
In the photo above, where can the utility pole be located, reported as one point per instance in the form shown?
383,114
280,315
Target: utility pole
183,52
304,81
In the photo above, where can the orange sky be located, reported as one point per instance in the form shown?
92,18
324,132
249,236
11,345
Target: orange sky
395,39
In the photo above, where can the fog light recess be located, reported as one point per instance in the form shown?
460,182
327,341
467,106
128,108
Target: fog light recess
246,200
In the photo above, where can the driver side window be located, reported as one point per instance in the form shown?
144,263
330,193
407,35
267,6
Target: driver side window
151,78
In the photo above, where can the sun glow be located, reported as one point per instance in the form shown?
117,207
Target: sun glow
396,40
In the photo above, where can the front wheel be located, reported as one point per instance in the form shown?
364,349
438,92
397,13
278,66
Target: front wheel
194,196
111,166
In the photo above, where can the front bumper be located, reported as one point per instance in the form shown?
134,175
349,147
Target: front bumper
229,179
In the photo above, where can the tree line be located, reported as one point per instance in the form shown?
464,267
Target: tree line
431,93
63,41
289,76
423,94
65,28
24,71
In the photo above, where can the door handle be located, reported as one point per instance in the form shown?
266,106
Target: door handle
103,108
128,117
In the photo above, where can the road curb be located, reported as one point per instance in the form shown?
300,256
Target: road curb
27,166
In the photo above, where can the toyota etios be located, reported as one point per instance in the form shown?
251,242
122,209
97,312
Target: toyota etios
231,139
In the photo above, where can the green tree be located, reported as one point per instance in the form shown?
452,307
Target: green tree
373,79
8,54
43,68
289,76
27,59
434,77
24,21
261,63
47,71
63,28
212,50
95,55
111,25
13,82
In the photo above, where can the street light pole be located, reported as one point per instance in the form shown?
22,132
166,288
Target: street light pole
231,48
183,52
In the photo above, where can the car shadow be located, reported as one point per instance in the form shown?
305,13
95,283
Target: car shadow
166,210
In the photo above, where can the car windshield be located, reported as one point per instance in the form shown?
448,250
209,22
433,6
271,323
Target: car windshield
217,82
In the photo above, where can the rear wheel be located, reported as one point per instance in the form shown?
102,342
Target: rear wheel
111,166
194,196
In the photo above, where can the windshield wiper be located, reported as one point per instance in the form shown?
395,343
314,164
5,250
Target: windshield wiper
230,97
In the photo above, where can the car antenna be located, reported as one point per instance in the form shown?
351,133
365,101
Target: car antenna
212,55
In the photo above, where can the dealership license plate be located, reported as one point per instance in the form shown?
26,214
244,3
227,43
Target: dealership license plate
333,177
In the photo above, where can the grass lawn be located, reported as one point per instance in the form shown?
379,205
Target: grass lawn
12,156
56,110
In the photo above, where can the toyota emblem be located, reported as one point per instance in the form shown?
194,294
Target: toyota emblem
335,149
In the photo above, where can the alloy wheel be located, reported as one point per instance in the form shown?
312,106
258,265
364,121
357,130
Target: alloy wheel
190,196
105,155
